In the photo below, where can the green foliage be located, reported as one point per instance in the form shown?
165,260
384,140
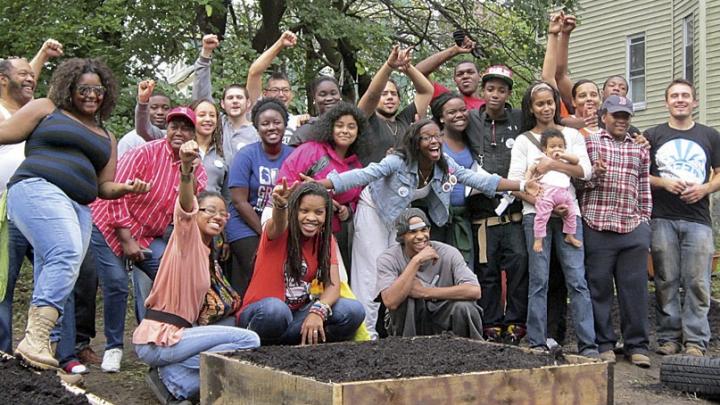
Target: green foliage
141,38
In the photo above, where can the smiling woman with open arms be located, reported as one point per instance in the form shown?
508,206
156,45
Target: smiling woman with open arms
70,162
417,170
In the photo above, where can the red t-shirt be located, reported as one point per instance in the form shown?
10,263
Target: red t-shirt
269,279
471,102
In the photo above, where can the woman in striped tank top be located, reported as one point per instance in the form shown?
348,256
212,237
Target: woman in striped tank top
70,161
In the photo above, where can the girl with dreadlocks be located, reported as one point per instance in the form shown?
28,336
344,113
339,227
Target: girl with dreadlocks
208,135
294,294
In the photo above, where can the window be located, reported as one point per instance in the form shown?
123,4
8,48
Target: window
636,69
688,54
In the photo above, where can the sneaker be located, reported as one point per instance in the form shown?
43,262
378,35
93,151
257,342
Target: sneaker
608,356
493,334
514,334
75,367
111,360
668,348
640,360
152,379
88,356
693,350
592,353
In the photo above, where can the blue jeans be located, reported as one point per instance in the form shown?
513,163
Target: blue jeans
143,275
113,278
276,323
572,262
179,364
682,253
19,248
59,230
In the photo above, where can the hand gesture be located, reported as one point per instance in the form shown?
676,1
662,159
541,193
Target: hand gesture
145,90
532,187
288,39
301,119
561,210
599,168
137,186
209,43
568,24
674,186
404,58
426,255
556,23
393,59
132,250
591,117
642,141
312,330
52,48
466,47
694,193
341,211
281,193
543,165
189,155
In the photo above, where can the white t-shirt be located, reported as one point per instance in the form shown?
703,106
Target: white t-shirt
524,154
10,156
128,142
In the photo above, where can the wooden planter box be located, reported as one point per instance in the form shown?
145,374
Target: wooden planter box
227,380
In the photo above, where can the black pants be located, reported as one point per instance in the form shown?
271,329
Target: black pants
557,301
506,250
85,293
243,257
618,262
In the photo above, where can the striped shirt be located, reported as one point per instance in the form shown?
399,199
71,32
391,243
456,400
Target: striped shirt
146,215
620,199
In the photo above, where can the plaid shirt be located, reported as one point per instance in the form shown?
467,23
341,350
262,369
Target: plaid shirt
620,199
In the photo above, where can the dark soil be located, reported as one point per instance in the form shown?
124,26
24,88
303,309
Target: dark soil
21,385
395,358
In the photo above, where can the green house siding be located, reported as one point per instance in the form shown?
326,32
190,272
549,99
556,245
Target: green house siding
598,48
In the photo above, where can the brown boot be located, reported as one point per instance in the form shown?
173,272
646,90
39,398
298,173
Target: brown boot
35,346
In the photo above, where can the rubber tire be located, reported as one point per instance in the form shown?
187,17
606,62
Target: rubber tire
700,375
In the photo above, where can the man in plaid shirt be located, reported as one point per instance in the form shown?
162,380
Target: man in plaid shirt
616,206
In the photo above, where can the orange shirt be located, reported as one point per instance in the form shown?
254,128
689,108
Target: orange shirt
181,283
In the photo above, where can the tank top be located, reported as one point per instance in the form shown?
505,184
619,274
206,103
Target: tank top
67,154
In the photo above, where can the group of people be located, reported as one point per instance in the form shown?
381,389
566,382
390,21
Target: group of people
242,224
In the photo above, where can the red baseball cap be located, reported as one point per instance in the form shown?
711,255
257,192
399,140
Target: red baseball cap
501,72
184,112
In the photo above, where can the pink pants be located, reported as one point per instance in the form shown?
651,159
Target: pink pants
551,198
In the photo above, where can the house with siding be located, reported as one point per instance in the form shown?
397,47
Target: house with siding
651,42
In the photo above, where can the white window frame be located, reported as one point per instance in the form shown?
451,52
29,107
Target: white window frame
641,105
689,19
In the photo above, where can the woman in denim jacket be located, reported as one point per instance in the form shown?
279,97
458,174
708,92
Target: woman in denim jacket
418,169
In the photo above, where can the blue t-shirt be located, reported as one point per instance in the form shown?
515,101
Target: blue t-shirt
252,169
463,158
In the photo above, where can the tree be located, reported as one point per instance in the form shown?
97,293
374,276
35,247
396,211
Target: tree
139,38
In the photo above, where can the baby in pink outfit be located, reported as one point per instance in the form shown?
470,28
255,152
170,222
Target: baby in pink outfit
556,191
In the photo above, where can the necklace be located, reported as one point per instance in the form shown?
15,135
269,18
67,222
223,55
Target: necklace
393,128
425,179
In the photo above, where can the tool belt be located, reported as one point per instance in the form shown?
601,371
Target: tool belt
485,223
166,317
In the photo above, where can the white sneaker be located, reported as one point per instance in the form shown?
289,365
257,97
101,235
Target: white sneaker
111,360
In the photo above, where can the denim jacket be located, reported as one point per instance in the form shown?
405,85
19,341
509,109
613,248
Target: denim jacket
392,185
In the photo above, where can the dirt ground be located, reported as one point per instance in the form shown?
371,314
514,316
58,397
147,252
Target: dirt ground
633,385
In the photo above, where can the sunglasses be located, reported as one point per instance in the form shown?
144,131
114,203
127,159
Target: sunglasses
85,90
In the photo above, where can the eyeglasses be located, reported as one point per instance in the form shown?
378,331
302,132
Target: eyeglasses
214,212
428,138
276,90
85,90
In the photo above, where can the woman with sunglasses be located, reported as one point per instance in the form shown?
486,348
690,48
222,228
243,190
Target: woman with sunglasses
417,170
70,162
166,338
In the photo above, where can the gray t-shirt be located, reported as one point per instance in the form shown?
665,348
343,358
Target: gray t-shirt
450,270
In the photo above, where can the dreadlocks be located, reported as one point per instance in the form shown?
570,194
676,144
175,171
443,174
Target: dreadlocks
293,266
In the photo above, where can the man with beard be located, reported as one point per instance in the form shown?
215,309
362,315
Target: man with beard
465,75
381,103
